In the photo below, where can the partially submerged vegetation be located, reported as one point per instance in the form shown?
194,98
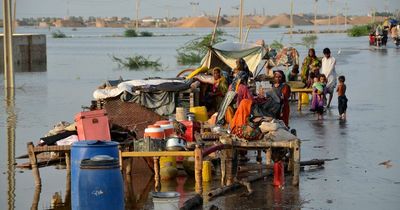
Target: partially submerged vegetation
58,34
193,51
360,30
309,41
133,33
275,26
130,33
138,62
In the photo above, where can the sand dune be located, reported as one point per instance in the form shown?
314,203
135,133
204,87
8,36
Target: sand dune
284,20
247,21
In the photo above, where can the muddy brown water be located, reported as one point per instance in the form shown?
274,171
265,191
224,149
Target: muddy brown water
354,181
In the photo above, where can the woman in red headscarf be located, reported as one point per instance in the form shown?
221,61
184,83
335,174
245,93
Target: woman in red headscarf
284,93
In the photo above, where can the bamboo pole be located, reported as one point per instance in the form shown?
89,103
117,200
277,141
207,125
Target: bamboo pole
198,168
33,161
247,33
137,15
291,18
14,17
8,45
36,198
215,27
241,22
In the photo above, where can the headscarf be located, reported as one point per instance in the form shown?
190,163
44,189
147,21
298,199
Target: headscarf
283,80
240,76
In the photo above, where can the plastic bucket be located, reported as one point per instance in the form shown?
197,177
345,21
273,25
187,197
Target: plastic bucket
304,98
166,200
200,113
164,160
206,171
100,184
85,150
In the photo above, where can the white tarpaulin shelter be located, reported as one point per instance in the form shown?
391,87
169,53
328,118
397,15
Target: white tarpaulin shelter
228,52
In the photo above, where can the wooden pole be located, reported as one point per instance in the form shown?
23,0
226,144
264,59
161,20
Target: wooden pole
296,163
137,15
291,18
14,17
241,22
247,33
315,16
198,169
33,161
157,183
215,27
8,45
36,198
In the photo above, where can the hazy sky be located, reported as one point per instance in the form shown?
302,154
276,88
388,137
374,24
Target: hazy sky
177,8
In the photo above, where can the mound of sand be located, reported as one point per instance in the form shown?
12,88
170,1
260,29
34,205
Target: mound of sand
199,22
360,20
284,20
247,21
262,20
337,20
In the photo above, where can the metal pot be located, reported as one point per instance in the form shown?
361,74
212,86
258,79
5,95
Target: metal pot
175,144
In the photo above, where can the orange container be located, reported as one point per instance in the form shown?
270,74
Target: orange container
167,126
154,132
93,125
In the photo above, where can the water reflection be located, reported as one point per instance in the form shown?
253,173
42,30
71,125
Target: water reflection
11,124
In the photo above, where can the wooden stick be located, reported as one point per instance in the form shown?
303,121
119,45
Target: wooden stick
33,161
221,190
257,167
36,198
296,163
247,33
192,202
215,27
157,183
198,169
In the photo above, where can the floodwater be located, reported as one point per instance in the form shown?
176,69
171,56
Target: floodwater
77,65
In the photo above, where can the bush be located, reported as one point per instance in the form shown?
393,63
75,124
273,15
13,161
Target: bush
130,33
193,51
58,34
138,62
146,33
277,45
360,30
275,26
309,41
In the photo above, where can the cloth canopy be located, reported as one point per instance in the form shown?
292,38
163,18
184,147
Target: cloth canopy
228,52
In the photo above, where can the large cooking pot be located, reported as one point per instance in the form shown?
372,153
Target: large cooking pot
175,144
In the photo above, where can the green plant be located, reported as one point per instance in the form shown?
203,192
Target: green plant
193,51
309,41
146,33
137,62
58,34
130,33
359,30
277,45
275,26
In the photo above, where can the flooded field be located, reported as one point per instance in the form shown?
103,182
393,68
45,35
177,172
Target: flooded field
77,65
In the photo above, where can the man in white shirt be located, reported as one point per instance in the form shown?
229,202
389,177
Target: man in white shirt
328,69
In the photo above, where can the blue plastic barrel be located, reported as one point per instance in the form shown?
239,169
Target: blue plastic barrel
85,150
100,184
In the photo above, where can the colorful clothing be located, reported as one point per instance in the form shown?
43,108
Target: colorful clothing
309,63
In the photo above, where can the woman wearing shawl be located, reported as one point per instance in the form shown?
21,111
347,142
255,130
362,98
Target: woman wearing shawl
218,89
284,92
310,64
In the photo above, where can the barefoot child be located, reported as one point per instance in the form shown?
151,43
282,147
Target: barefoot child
342,99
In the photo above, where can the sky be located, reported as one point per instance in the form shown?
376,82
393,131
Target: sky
180,8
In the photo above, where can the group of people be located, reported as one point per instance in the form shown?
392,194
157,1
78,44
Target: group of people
379,35
321,76
239,104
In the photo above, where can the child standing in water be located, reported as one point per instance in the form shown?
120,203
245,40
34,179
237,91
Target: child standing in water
317,103
342,99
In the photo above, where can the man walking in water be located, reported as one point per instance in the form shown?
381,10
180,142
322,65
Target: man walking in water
328,69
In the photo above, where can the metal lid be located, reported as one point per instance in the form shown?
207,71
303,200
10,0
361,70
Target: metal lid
96,143
171,194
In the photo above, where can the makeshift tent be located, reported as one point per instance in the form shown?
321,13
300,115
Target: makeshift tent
225,54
